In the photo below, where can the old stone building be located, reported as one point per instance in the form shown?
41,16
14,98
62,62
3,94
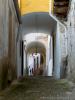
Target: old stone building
54,18
37,49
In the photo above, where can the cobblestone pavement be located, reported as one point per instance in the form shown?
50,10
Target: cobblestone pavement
39,88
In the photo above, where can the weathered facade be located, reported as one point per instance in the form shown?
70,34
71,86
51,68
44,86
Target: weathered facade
68,42
9,24
64,10
71,41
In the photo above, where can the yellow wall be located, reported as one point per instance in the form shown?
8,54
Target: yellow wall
28,6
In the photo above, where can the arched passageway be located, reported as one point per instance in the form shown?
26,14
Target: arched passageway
36,58
43,23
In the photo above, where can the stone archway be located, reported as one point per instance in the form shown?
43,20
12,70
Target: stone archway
42,22
36,61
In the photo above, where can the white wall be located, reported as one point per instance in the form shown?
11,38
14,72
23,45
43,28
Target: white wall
57,53
25,63
50,56
18,53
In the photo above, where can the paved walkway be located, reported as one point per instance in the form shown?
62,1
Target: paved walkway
39,88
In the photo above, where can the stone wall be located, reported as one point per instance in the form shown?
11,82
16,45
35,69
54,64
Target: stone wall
71,41
63,46
6,61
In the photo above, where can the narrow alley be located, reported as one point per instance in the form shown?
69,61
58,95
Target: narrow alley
37,49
